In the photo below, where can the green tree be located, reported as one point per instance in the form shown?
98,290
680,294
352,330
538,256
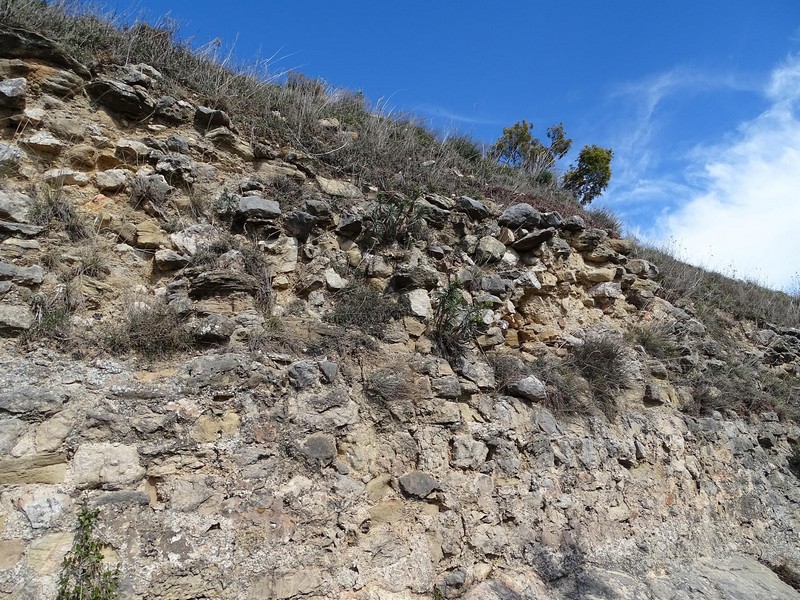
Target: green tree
518,148
83,574
590,177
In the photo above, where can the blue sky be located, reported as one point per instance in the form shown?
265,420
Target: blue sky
698,99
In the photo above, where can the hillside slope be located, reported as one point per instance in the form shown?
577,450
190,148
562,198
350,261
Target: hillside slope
280,376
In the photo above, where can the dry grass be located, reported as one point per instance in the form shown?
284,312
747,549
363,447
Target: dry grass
374,144
152,329
710,292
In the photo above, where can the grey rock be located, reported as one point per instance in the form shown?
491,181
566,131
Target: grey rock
254,208
468,453
121,97
329,370
20,229
474,209
589,239
27,276
417,484
574,223
221,282
194,238
299,224
174,111
42,511
32,402
320,447
552,219
177,143
14,206
150,191
419,303
494,284
207,119
303,374
20,43
641,268
169,260
177,169
606,291
446,387
534,239
214,369
15,318
529,388
10,155
13,93
350,226
520,216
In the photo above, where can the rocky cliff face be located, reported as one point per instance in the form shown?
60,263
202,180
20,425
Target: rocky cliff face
275,383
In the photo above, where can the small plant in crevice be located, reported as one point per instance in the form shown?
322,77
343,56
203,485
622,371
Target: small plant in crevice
391,386
655,338
394,219
52,314
153,329
84,576
456,322
601,361
51,208
359,305
567,391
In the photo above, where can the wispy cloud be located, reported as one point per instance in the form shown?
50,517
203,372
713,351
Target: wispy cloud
441,113
638,104
745,213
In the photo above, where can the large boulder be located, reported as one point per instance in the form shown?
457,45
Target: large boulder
520,216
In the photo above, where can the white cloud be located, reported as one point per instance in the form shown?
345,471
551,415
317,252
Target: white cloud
745,216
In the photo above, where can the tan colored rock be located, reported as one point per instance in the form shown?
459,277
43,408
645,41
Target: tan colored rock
45,554
150,236
341,189
105,465
11,552
210,428
41,468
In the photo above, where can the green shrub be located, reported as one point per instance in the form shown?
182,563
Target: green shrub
83,574
456,322
591,175
394,219
359,305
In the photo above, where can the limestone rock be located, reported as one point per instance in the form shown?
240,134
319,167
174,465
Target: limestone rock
40,468
341,189
112,180
529,388
15,318
419,303
43,142
105,465
489,250
65,177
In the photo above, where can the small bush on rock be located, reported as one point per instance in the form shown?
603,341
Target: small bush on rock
152,329
359,305
394,219
456,322
601,361
83,574
51,208
655,338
